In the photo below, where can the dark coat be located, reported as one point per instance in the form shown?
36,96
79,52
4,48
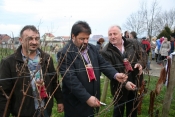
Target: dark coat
76,87
134,53
10,69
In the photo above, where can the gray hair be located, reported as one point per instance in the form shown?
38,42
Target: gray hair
117,27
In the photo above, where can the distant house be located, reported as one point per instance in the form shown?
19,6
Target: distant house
5,39
96,37
16,40
66,38
62,38
58,38
47,37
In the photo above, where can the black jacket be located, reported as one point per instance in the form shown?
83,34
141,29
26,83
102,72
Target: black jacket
134,53
13,67
76,87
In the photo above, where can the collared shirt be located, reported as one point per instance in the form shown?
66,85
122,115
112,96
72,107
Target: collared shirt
34,66
123,49
84,54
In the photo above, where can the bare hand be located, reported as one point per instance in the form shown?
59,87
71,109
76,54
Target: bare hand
139,67
60,108
40,81
121,77
93,102
130,86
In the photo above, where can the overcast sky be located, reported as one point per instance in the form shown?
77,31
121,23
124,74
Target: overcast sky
57,16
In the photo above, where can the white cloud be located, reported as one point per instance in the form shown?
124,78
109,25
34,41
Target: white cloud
10,28
100,14
53,9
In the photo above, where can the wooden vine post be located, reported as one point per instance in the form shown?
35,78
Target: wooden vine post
169,92
105,89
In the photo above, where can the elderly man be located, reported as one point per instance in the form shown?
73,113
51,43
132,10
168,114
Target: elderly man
81,66
127,56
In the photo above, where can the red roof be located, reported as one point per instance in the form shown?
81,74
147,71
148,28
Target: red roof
49,34
4,38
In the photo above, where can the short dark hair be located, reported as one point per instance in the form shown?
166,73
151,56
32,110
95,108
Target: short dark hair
134,34
125,33
80,26
31,27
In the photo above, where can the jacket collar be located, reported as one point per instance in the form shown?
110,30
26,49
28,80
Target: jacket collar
18,55
75,49
125,43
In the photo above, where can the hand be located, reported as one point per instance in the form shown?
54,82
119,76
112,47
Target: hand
139,67
121,77
40,81
93,102
60,108
130,86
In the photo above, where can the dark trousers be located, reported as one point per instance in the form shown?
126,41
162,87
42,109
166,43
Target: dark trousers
42,114
163,57
70,116
130,105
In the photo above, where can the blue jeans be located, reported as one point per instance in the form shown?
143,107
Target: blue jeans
153,53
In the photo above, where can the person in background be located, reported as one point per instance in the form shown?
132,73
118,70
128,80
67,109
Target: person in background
165,48
21,74
126,34
56,49
51,48
157,51
100,43
147,47
81,65
127,56
172,42
133,35
153,46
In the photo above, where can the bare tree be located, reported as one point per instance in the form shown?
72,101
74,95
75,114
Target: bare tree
150,17
135,22
166,18
144,20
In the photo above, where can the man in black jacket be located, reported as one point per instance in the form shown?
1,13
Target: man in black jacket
81,66
127,56
28,80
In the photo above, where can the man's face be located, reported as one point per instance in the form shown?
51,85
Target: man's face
115,35
30,40
81,40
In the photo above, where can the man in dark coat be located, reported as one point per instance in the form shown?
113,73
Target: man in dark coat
127,56
28,80
172,42
81,66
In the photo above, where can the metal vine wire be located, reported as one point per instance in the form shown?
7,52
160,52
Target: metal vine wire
80,70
